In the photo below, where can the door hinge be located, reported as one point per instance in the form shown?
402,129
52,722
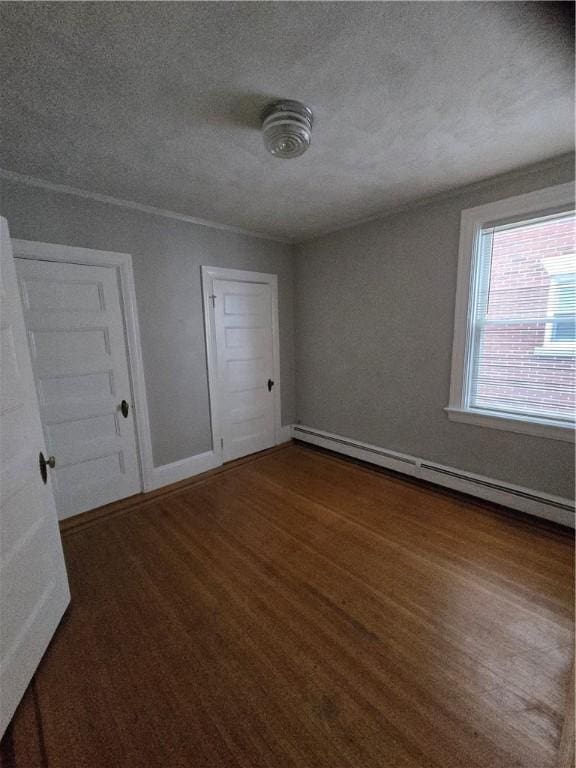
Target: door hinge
222,443
213,299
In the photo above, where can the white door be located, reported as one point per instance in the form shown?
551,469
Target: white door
73,315
245,366
33,584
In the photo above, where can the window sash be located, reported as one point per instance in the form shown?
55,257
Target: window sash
479,322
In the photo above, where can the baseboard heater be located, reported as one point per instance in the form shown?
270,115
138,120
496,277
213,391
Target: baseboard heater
547,506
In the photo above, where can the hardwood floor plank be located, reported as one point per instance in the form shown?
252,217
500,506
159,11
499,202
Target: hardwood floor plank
300,611
319,568
23,743
336,652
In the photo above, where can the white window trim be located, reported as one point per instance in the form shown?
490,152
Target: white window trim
471,223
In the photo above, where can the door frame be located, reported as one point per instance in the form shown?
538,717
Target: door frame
209,274
122,263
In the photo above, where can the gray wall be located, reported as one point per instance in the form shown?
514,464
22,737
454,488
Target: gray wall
374,326
167,256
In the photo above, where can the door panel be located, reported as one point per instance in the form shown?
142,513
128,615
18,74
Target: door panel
33,584
75,325
245,362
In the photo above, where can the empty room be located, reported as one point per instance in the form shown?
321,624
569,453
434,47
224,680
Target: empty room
287,384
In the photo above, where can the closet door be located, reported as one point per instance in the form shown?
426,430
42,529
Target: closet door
245,362
75,324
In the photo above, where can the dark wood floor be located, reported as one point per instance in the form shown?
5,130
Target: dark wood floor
299,610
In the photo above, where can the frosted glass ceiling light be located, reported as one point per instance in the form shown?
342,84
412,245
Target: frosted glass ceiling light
287,128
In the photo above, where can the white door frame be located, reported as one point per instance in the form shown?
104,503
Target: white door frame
122,263
209,274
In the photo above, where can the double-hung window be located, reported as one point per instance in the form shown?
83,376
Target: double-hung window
514,356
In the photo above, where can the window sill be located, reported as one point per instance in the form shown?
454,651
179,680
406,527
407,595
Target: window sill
552,430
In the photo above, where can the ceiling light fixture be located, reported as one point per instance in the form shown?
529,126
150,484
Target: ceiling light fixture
287,128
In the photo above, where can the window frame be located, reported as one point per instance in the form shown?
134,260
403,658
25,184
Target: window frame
533,204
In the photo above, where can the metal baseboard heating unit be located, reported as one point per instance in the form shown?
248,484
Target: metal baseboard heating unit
353,444
555,508
495,485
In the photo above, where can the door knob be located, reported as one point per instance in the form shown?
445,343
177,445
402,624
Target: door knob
124,408
44,464
270,385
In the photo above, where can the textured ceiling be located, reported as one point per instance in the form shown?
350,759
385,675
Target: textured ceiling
159,103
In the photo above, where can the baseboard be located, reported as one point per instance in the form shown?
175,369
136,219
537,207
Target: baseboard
183,469
555,508
167,474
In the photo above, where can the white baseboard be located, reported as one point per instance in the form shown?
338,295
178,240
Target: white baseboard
555,508
183,469
195,465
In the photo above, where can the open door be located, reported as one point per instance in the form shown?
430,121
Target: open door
33,584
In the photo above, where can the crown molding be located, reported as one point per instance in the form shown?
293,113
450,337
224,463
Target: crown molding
33,181
558,161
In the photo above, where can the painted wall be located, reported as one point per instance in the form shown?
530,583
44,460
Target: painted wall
167,256
374,317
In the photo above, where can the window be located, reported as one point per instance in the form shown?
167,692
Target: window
560,333
562,326
514,359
